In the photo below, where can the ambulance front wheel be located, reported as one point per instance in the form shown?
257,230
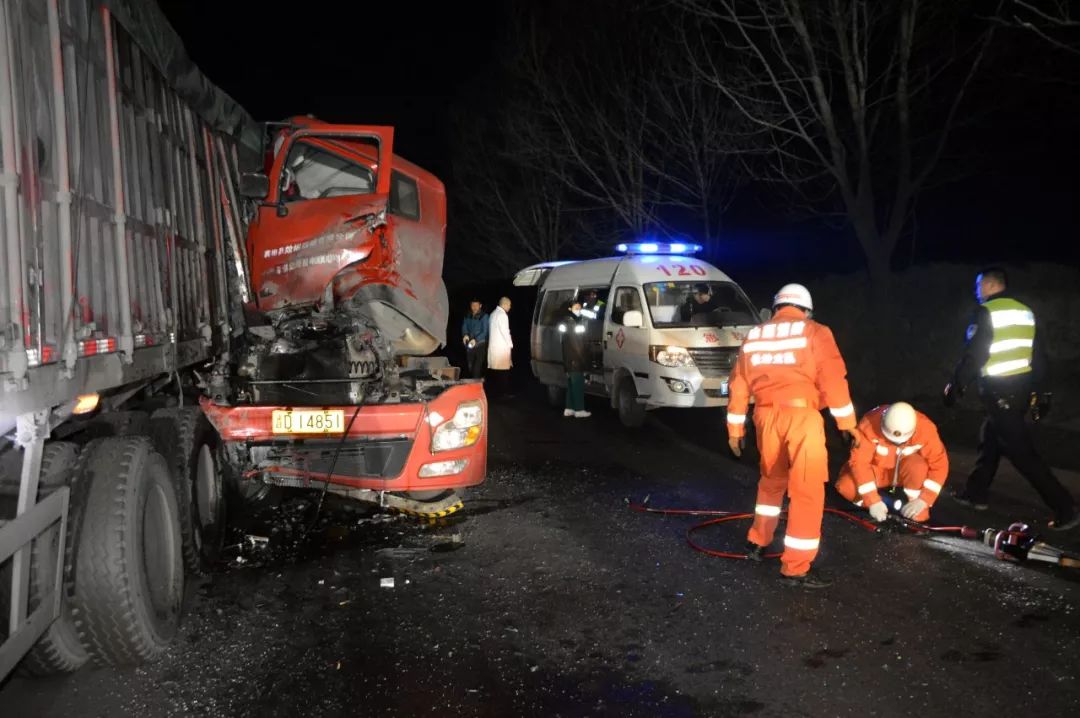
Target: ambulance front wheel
631,411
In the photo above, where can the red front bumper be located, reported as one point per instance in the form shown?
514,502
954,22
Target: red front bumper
385,448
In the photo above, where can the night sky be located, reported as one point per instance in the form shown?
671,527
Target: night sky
361,63
398,64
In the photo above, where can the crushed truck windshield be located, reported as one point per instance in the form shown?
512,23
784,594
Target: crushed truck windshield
314,171
698,304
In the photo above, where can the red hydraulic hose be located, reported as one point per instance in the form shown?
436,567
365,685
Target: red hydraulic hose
725,516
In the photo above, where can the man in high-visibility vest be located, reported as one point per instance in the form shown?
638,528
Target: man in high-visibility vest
1004,354
790,365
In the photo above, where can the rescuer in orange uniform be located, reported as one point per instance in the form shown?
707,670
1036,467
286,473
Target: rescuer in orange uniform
900,449
789,365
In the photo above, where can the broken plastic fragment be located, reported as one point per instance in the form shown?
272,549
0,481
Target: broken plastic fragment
386,582
256,541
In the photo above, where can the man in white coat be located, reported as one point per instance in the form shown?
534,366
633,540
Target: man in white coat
500,345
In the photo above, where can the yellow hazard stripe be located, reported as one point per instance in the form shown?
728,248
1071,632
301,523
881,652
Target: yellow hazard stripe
435,514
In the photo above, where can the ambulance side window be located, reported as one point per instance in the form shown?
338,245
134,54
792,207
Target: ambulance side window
556,305
627,299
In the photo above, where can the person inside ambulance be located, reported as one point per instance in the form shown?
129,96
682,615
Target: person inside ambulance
902,451
592,306
702,301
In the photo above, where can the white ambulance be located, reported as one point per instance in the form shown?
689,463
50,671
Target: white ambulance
664,328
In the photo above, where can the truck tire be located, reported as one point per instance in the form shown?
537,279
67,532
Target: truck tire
59,649
117,423
129,571
191,447
556,396
631,413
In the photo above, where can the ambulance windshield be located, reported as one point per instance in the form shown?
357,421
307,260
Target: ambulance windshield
698,304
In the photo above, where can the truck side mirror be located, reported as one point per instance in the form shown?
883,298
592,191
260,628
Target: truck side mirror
633,319
254,185
765,314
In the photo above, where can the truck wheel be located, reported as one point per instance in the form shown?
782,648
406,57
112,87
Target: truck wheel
58,650
631,413
117,423
191,447
556,396
129,571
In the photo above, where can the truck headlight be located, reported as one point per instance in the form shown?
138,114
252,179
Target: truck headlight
674,357
460,431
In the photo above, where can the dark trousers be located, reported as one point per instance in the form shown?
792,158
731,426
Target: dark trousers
1006,434
575,391
476,360
497,384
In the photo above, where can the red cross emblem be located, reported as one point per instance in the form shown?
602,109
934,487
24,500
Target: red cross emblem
711,338
620,338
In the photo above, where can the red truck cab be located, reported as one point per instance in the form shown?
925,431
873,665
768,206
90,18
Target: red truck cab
344,251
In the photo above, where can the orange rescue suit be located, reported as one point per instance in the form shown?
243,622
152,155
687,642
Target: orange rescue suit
920,465
790,365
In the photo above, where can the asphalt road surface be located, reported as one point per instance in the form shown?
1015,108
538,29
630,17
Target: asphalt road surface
547,596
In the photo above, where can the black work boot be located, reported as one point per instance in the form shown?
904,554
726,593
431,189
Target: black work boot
754,552
965,499
806,580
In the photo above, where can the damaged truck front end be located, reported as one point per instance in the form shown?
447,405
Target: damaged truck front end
327,387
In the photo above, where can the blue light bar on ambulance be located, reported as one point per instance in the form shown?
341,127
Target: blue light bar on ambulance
658,248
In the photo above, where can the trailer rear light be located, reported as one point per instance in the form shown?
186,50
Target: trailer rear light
91,347
46,356
462,430
86,403
443,468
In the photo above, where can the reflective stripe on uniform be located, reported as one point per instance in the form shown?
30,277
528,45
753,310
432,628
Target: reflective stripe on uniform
1005,345
912,493
1001,318
842,411
866,488
579,329
779,345
909,450
766,510
1005,367
881,450
801,544
736,419
932,486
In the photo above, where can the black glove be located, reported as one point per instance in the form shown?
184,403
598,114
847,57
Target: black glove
1040,405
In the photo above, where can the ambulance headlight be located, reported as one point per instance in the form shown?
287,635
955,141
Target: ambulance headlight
462,430
674,357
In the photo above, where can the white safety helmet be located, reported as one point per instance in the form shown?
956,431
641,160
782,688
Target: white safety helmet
795,294
898,424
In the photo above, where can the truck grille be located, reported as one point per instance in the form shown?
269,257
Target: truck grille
383,459
715,361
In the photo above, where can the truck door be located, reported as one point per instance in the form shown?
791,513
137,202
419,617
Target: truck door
626,347
329,189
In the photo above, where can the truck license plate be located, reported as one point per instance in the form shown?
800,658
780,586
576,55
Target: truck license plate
329,421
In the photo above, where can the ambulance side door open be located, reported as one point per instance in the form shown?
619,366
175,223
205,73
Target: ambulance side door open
626,337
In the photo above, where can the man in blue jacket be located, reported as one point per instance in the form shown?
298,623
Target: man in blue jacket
474,334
